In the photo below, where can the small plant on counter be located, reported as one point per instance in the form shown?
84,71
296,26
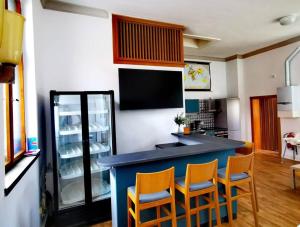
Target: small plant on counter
180,120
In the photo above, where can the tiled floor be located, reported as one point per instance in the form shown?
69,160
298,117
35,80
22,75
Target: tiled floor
279,205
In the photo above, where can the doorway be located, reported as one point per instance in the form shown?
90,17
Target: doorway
265,123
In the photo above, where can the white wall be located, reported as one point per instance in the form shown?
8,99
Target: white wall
218,82
255,79
74,52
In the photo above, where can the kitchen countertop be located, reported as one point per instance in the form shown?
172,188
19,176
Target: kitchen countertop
207,144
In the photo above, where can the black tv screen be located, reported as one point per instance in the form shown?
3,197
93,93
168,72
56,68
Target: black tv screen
150,89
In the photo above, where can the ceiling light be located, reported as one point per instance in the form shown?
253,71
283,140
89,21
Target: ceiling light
287,20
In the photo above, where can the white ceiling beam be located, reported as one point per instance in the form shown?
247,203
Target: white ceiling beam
74,8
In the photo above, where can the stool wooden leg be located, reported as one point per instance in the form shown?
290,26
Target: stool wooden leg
229,205
173,213
254,209
210,210
137,216
217,208
255,194
129,214
158,214
197,215
187,211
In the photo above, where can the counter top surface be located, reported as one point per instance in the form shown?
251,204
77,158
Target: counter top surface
208,144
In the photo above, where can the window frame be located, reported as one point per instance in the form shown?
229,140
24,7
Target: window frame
12,159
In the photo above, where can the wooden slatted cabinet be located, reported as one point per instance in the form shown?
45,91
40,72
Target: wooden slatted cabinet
146,42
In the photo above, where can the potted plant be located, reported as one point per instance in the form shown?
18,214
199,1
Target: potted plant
180,120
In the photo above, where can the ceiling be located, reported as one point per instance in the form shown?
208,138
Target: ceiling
242,25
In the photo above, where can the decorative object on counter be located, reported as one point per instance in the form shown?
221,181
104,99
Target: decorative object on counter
197,76
186,130
180,120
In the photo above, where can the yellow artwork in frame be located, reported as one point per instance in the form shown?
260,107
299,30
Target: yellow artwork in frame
197,76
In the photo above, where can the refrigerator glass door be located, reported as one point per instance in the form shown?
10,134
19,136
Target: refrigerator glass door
100,138
69,152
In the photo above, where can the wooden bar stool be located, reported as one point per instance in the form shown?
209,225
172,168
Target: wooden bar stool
239,171
152,190
200,179
248,149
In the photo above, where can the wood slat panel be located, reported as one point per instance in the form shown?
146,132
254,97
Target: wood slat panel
145,42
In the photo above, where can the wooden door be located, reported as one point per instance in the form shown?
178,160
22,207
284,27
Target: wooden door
264,121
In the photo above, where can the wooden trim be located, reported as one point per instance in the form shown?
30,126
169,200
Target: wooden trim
9,144
271,47
263,96
279,137
22,106
147,21
236,56
252,122
264,49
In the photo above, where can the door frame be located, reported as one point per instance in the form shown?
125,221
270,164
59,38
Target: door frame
279,144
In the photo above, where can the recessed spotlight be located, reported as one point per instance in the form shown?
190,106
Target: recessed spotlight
287,20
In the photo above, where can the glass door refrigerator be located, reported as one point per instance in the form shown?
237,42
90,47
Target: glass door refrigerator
83,131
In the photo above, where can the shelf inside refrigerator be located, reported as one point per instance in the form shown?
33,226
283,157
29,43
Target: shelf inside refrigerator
75,169
78,112
74,191
75,150
76,129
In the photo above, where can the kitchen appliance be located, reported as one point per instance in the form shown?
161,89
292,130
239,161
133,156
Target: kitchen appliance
288,101
83,132
150,89
227,116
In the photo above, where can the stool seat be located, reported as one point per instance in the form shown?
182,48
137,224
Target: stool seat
233,177
155,191
194,187
199,182
146,198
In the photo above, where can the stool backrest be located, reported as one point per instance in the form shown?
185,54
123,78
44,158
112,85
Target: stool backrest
197,173
240,164
147,183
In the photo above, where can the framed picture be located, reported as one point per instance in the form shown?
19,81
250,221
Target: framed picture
197,76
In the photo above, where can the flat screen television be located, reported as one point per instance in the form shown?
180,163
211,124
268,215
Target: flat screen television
150,89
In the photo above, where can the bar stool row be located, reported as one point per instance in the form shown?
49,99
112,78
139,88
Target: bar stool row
155,190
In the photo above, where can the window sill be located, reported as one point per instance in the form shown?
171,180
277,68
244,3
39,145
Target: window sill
13,176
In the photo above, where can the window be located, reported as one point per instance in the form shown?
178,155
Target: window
14,107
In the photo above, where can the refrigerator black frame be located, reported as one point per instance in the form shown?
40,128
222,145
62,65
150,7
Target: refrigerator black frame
89,207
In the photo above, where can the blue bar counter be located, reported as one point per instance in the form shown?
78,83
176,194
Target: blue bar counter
198,149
